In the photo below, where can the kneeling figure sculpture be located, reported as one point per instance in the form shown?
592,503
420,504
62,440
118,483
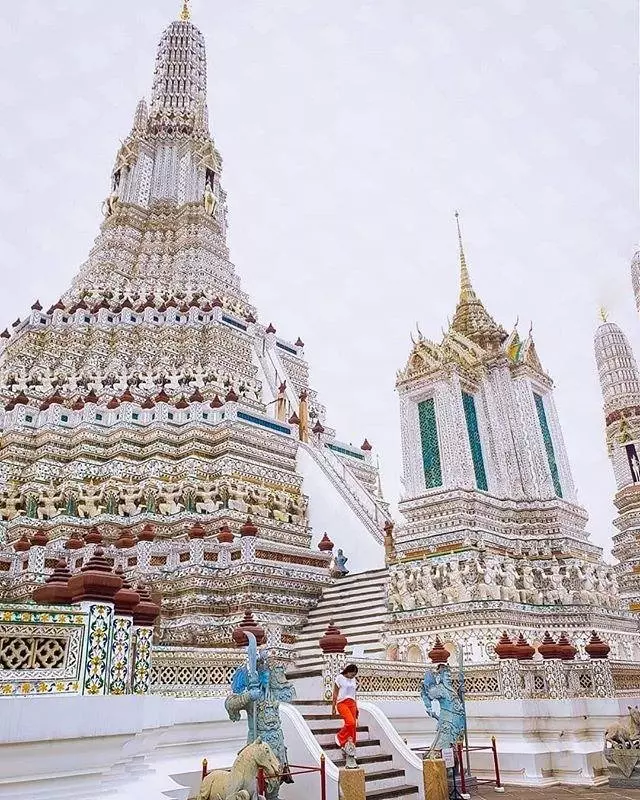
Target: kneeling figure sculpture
622,750
241,781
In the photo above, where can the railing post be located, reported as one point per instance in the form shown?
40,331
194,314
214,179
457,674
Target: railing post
323,778
463,783
262,783
496,766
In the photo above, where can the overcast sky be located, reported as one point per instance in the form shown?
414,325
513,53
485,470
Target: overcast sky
350,131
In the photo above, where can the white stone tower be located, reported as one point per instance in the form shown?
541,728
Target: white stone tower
620,383
480,430
494,537
150,403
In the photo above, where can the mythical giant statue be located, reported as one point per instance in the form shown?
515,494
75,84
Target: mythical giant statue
437,685
258,688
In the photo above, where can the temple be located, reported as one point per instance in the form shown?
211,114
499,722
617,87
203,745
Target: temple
170,483
150,411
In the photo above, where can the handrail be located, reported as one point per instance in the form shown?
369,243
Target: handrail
350,488
338,472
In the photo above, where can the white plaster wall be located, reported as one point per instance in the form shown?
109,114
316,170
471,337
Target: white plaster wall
80,748
539,742
329,512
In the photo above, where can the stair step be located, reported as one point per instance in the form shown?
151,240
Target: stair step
383,775
379,759
318,628
295,674
357,580
308,703
336,728
345,606
310,642
361,743
348,617
342,595
392,791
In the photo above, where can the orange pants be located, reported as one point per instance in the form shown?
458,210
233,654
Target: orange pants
348,710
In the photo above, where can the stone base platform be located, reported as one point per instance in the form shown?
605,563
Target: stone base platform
558,793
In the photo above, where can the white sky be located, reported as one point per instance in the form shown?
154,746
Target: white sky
350,131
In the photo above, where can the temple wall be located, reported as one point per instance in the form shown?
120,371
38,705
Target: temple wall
539,742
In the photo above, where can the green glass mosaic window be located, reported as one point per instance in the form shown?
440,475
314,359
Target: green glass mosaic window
548,443
469,404
430,447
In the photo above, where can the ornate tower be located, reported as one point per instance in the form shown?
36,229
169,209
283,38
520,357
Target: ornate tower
620,383
494,536
480,427
150,410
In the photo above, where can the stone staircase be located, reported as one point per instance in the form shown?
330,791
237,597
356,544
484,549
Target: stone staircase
356,604
382,779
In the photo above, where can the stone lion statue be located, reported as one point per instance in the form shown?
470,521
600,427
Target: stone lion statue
625,732
241,782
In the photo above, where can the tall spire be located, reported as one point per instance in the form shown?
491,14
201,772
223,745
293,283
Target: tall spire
466,289
180,78
471,318
185,14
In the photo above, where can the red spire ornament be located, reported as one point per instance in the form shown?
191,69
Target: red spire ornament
146,612
225,536
126,598
505,647
333,640
596,648
325,545
439,653
566,650
524,651
248,625
248,529
95,581
56,588
548,649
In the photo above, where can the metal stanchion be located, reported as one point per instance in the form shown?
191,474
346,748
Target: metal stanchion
496,766
323,778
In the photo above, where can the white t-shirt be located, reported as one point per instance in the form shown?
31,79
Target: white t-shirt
346,688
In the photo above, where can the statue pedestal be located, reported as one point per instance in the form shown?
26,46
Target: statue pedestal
434,774
624,768
352,786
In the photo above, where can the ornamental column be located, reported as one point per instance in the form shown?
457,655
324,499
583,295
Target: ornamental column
94,589
145,614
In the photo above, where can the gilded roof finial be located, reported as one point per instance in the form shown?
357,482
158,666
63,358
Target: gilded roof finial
603,314
185,14
466,290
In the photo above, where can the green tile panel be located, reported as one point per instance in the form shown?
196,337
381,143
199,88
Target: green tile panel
430,446
548,443
471,417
